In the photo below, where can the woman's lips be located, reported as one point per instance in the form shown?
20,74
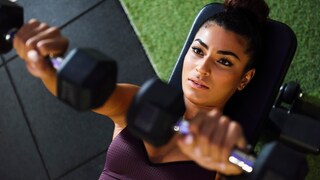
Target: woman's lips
197,84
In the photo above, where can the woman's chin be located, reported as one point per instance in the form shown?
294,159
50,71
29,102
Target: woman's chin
196,99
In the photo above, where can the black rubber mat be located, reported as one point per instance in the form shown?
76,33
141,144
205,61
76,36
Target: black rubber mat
40,137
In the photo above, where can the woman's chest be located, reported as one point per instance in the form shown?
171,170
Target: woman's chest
128,158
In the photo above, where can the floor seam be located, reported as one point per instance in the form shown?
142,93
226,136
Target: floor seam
80,165
24,114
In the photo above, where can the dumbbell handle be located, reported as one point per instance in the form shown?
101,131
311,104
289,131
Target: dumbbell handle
55,61
237,157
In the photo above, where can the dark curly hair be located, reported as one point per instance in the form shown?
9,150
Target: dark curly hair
247,19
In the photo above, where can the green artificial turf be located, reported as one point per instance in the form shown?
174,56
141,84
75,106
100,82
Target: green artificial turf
162,26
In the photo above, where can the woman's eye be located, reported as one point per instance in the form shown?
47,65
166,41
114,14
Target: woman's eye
225,62
197,50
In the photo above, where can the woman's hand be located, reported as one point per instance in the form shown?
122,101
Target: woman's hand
36,40
212,138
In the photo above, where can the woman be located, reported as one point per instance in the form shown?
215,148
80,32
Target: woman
220,62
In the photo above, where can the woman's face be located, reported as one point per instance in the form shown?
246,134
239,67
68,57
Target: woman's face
214,67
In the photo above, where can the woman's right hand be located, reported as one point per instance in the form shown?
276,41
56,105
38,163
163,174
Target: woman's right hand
36,40
212,138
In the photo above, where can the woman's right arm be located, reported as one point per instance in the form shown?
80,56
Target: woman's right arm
117,105
36,40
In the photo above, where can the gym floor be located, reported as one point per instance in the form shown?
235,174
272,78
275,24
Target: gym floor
42,138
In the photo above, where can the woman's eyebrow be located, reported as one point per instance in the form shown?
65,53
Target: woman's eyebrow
228,53
202,43
220,51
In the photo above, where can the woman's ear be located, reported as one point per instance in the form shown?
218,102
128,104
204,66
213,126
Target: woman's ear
246,79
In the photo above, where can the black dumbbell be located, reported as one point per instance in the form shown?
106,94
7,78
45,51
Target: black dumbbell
278,161
155,109
11,19
86,77
156,114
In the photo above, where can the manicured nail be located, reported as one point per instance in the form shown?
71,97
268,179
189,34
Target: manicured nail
33,56
221,166
197,152
188,139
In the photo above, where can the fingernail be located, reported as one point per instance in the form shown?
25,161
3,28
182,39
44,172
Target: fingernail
33,56
197,152
188,139
222,166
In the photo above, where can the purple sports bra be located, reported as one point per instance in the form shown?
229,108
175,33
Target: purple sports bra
127,158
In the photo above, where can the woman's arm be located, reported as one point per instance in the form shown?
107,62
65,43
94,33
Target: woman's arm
36,40
117,105
33,42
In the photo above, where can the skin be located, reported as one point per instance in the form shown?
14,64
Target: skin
207,79
213,70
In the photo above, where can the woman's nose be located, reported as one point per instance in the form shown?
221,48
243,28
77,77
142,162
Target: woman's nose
202,68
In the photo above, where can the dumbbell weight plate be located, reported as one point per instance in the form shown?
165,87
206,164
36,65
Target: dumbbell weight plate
151,116
86,78
11,17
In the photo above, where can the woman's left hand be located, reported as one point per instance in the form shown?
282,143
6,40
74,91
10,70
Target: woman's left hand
211,140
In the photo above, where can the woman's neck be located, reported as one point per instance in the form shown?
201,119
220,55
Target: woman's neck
192,109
